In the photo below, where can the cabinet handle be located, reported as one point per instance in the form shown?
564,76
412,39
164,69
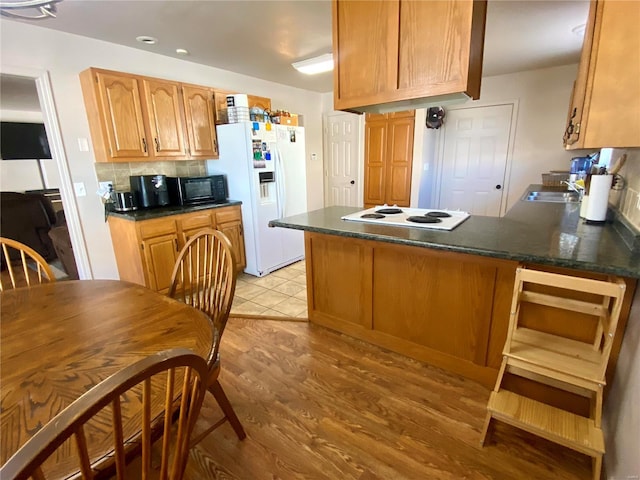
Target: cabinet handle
157,144
241,230
215,144
175,242
144,144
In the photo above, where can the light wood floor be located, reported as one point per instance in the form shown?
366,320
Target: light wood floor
319,405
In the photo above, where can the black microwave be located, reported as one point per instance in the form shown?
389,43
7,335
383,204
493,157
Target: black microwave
197,190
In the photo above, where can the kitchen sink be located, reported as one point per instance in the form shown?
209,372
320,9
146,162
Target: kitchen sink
554,197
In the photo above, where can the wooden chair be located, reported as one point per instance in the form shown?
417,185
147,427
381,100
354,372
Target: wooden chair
31,267
559,361
204,277
144,379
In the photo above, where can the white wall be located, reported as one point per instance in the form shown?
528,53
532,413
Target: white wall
64,56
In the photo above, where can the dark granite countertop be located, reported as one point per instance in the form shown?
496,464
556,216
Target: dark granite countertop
149,213
533,232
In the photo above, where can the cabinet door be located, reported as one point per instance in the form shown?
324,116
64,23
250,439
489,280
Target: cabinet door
199,107
166,124
159,244
160,255
611,107
229,222
574,120
261,102
437,62
399,160
365,39
220,101
193,223
375,151
122,115
233,231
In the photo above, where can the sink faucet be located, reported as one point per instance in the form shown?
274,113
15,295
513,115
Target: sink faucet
576,188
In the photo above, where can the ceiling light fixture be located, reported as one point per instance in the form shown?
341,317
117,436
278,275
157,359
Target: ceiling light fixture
47,8
147,39
311,66
182,51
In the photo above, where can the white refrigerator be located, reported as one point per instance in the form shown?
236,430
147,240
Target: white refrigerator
265,169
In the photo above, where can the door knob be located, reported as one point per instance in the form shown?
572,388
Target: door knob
498,187
352,182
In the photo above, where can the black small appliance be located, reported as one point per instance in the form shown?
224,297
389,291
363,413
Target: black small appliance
149,190
197,190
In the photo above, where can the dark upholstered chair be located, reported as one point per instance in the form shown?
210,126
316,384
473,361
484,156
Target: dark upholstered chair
30,218
27,218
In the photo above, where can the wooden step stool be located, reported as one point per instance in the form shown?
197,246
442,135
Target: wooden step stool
561,362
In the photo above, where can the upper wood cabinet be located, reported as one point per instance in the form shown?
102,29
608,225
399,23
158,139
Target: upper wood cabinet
199,110
165,116
135,118
115,115
388,158
398,54
605,104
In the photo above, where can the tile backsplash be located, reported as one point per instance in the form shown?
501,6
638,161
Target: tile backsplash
119,173
629,203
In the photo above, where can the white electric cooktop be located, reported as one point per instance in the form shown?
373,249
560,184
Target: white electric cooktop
410,217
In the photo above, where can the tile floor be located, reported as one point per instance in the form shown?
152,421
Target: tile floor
282,293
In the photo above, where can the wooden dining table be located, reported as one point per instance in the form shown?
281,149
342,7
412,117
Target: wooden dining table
57,340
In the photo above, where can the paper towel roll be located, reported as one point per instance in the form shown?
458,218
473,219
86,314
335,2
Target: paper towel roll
598,198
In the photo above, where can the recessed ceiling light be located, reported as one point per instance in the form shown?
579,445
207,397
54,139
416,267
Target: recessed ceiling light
146,39
182,51
311,66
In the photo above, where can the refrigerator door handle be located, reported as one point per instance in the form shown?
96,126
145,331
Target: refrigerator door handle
280,183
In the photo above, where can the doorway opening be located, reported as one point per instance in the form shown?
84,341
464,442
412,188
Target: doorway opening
44,181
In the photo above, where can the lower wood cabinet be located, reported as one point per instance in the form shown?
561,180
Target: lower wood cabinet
444,308
147,250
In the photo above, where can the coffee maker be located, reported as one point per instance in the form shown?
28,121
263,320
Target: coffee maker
149,190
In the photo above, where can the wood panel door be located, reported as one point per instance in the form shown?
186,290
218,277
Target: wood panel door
122,116
165,116
388,159
375,152
399,161
199,112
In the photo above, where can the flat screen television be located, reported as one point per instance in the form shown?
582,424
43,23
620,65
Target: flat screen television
23,141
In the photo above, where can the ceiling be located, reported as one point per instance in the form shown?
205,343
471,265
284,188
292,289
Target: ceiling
262,38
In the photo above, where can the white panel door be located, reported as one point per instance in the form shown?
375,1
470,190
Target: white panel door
474,159
341,160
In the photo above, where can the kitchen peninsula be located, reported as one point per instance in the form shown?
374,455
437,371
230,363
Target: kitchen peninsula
443,297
